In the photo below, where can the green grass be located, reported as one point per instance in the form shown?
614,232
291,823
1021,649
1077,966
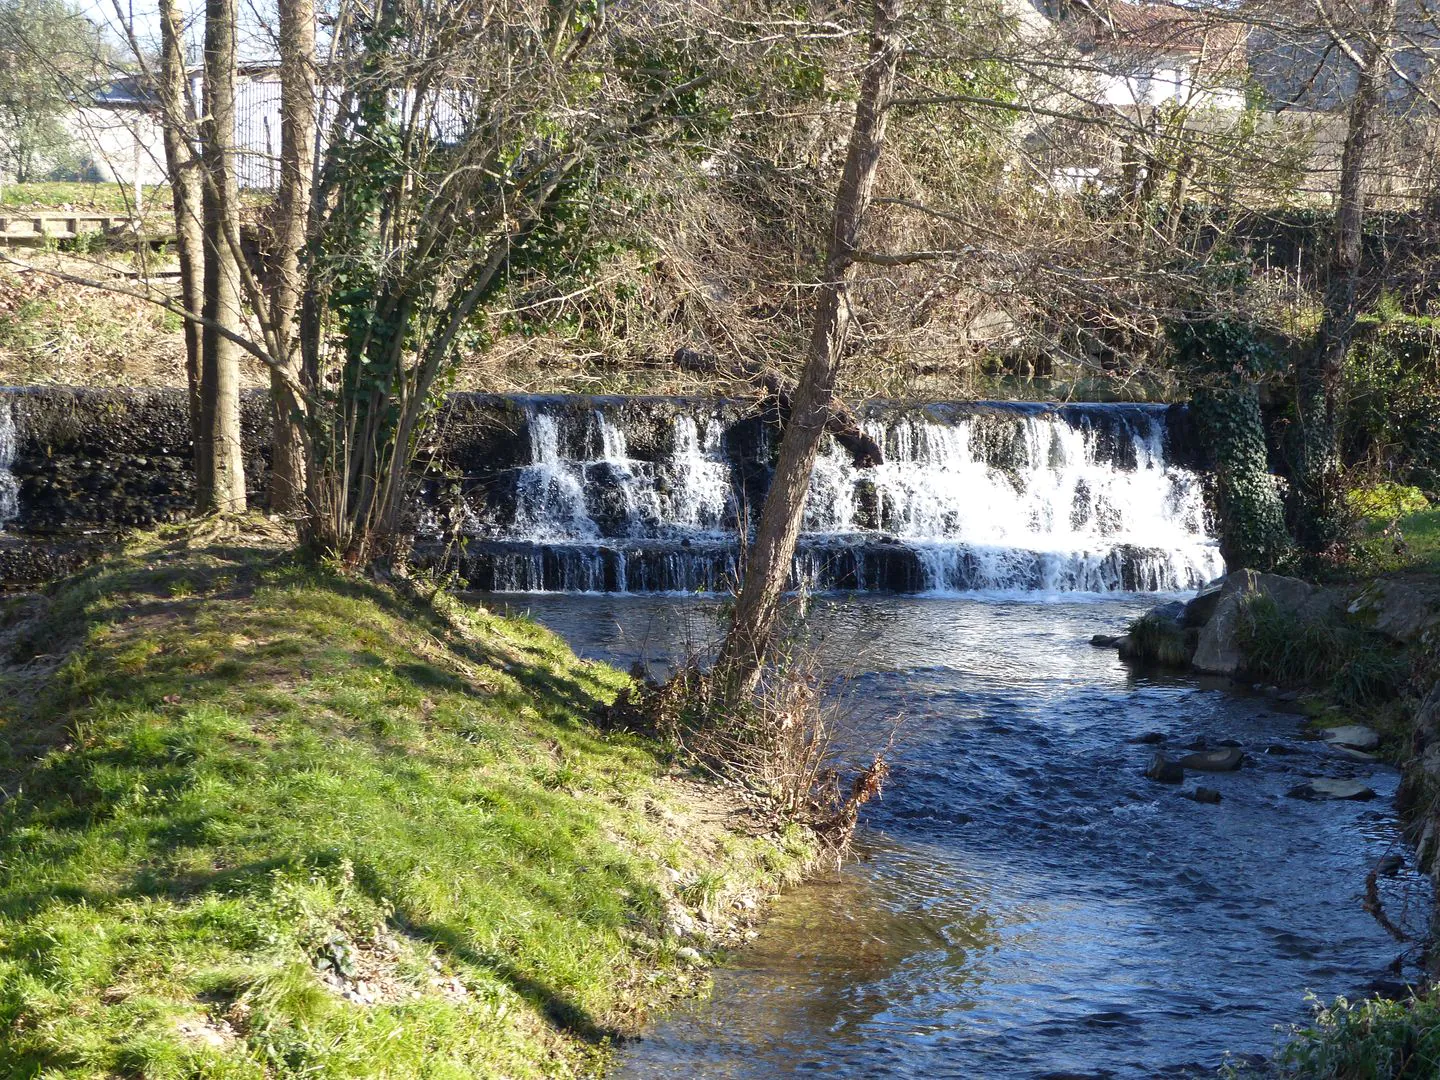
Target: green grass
1353,666
84,197
1410,543
250,773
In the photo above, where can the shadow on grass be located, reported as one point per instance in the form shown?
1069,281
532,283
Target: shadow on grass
560,1011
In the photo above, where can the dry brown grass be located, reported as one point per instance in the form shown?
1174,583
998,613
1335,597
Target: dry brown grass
59,334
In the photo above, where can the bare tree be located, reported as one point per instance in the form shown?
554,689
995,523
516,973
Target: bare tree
182,166
299,105
1319,376
220,483
768,561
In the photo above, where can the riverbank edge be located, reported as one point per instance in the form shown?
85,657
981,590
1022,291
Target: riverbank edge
1390,1033
259,815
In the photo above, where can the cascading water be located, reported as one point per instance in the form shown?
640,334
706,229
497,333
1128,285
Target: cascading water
984,497
9,487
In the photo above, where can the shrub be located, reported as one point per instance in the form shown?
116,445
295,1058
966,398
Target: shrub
1373,1040
1356,666
1159,641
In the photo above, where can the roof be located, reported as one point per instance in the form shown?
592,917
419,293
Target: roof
1150,28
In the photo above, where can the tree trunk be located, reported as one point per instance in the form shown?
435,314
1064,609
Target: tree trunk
221,479
183,168
298,107
747,645
1319,518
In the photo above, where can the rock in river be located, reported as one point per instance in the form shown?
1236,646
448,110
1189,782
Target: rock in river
1218,608
1353,737
1203,795
1226,759
1164,770
1331,789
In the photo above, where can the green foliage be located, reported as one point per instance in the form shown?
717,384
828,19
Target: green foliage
47,53
1221,350
255,786
1368,1040
1386,500
1222,358
1390,410
1252,519
1355,666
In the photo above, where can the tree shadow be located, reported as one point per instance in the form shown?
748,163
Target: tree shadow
561,1012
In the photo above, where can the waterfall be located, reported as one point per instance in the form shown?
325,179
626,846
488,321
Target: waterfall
975,497
9,486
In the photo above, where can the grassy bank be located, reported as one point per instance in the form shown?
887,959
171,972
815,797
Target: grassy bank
265,821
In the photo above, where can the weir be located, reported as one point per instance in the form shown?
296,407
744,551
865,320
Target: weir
649,494
975,496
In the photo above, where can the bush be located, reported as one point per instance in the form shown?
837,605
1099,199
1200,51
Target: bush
1159,641
1391,399
1356,667
1386,500
1368,1040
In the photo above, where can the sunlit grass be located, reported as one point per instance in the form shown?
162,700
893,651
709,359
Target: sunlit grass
99,198
248,765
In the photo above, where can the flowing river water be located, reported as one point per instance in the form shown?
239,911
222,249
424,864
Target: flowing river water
1027,904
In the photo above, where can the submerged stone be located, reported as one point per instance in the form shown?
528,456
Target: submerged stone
1164,771
1226,759
1353,737
1332,789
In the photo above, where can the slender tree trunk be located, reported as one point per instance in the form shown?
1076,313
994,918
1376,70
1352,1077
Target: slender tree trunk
298,107
221,480
1318,519
183,168
767,572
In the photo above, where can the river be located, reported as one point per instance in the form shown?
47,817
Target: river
1026,904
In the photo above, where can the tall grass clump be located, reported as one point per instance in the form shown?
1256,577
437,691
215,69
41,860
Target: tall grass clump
1160,641
1357,667
1368,1040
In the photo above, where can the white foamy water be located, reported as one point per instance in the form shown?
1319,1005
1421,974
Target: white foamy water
9,486
567,499
992,500
1052,514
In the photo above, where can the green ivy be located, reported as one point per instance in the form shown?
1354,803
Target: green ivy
1222,359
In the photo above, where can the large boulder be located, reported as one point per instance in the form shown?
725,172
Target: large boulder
1406,611
1218,650
1171,611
